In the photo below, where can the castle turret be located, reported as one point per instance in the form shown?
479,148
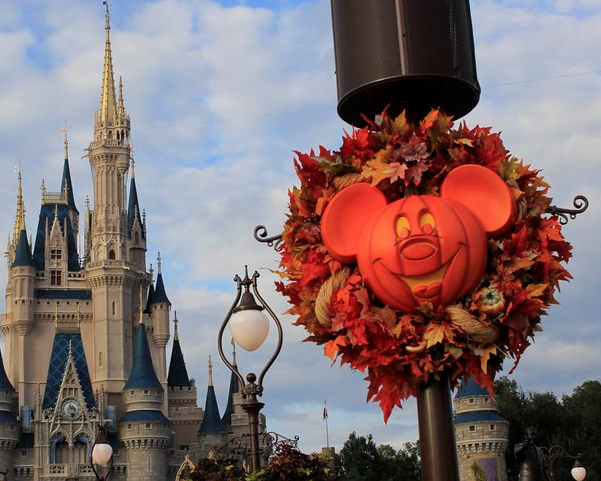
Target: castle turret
159,313
481,434
144,429
212,433
184,413
9,427
67,189
19,298
135,227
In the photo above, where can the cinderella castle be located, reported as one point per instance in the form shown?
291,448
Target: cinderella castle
86,332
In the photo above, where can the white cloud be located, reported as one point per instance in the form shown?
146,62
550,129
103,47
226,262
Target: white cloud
221,96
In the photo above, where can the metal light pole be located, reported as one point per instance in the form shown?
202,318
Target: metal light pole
249,327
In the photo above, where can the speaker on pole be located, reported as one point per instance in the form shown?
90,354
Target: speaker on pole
404,54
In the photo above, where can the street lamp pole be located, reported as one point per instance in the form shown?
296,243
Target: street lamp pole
249,327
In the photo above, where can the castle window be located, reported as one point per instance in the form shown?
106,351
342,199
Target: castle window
148,425
493,427
146,391
56,278
472,400
111,254
472,428
113,308
23,452
129,426
56,254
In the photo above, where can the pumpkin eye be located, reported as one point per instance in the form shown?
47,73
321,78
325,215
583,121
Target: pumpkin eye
427,223
403,229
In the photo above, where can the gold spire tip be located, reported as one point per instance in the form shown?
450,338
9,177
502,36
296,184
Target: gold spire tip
210,371
175,332
159,260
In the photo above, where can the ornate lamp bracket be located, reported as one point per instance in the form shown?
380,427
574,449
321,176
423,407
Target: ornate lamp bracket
261,235
580,204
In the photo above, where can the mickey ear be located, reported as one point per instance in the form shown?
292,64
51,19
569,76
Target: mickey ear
484,193
345,216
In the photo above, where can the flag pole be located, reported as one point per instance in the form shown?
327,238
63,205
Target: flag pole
325,418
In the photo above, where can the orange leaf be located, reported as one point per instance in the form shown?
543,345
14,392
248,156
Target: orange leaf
331,349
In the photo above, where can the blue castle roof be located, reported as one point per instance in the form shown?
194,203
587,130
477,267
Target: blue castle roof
160,296
56,369
47,213
471,389
147,415
178,374
4,381
23,254
229,409
211,423
142,374
66,182
133,208
478,417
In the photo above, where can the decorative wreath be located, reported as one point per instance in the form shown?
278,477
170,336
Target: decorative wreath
399,349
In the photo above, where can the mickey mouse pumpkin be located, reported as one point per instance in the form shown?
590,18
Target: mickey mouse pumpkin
420,248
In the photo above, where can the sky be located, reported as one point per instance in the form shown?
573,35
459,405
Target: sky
221,94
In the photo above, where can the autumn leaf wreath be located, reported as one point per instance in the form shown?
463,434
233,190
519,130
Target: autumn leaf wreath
399,349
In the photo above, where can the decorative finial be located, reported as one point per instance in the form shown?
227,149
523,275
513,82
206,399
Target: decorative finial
141,305
43,187
144,216
151,271
159,263
210,371
175,333
87,202
65,130
20,218
107,16
70,349
132,162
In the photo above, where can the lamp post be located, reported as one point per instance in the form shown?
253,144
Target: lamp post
249,327
102,454
555,452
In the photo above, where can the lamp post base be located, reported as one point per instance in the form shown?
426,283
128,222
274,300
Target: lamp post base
436,432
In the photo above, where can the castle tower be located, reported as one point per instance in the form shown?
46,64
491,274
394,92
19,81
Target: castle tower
481,434
184,413
115,269
9,426
233,390
212,433
144,429
159,307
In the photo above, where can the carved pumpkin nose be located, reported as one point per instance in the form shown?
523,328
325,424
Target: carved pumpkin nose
417,250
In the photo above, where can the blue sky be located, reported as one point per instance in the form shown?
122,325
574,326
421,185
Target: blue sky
221,94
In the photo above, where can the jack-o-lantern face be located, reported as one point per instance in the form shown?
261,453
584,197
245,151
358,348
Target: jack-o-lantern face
420,248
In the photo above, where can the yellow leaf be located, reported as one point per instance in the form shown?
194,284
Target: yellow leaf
519,263
535,290
467,142
376,168
434,334
485,357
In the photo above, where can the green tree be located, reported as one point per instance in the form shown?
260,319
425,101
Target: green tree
362,460
573,423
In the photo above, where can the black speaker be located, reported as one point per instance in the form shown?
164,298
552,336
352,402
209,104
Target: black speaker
405,54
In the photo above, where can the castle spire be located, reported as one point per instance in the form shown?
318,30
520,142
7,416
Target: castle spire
160,295
20,217
133,207
66,184
234,388
211,422
178,374
108,104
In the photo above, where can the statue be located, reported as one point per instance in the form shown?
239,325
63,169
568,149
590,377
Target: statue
534,466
